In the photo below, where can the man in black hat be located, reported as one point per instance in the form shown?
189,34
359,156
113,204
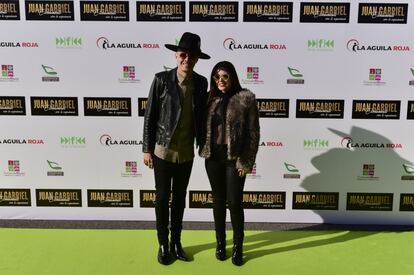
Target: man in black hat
173,118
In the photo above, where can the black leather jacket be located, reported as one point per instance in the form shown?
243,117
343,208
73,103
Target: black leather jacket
164,108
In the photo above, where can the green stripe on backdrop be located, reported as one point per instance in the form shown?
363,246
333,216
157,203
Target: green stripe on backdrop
124,252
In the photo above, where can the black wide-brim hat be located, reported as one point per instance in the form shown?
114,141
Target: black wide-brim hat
190,42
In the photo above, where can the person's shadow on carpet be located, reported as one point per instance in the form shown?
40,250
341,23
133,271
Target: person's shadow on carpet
275,242
272,242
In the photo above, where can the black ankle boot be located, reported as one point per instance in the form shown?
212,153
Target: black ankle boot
163,254
237,256
177,251
221,250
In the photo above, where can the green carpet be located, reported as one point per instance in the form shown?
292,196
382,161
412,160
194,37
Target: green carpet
124,252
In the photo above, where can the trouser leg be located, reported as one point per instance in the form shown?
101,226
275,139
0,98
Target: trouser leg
181,176
216,172
235,186
163,176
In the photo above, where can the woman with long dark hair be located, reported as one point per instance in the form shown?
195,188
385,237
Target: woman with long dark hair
230,144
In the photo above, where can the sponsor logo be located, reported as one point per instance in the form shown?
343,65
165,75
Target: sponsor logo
252,76
315,200
15,197
163,11
376,109
253,174
353,45
268,107
200,199
130,170
49,10
104,10
9,10
107,106
407,202
411,82
142,105
321,45
110,198
374,78
147,198
232,45
204,199
373,13
12,105
11,44
103,43
297,77
128,75
409,172
264,200
73,142
107,140
14,169
410,110
54,106
267,12
7,74
59,197
214,11
319,108
369,201
348,142
314,12
55,169
51,74
368,172
315,144
28,141
68,42
293,171
271,143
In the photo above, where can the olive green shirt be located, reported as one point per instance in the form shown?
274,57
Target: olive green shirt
181,148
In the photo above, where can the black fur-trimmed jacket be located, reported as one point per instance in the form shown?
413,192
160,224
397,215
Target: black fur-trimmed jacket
242,131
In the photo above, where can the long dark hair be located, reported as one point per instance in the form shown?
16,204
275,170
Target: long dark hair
229,68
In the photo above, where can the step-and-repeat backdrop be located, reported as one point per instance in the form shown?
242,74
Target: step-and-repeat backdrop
334,82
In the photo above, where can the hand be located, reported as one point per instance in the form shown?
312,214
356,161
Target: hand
242,172
148,160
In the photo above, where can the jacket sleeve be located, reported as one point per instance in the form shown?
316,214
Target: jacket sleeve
251,139
151,116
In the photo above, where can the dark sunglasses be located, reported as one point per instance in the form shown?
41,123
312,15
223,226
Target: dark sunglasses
223,77
184,55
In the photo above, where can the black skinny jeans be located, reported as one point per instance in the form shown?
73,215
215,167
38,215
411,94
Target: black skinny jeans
227,186
170,177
